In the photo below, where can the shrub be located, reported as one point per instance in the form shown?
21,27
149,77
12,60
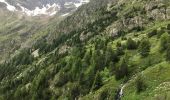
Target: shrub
137,28
62,79
136,35
103,95
140,84
131,44
124,38
111,55
168,52
118,44
154,32
120,51
75,91
160,32
165,39
168,27
144,47
97,82
122,71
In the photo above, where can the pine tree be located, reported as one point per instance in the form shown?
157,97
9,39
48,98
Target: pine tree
151,34
97,82
131,44
122,71
165,39
168,53
144,47
140,84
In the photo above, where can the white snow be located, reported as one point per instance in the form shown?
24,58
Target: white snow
46,10
68,3
65,14
9,7
53,13
81,2
78,4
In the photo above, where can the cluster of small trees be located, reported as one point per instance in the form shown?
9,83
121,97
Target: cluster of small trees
163,34
165,45
9,67
143,46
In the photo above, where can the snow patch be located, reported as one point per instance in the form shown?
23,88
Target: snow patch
65,14
46,10
9,7
53,13
81,2
68,3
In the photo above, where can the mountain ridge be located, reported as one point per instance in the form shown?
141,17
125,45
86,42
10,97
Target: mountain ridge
37,8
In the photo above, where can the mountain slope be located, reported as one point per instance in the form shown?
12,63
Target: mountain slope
103,50
42,7
20,27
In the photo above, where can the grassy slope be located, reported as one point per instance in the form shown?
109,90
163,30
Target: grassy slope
157,81
155,75
154,68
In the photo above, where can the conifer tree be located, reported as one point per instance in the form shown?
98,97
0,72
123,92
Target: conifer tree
144,47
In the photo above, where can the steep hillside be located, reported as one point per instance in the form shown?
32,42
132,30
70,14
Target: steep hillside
16,31
106,50
23,22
